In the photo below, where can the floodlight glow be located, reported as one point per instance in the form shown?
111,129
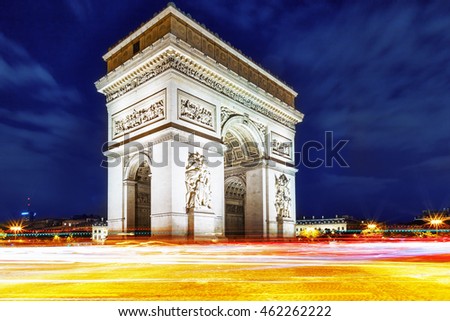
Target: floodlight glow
436,222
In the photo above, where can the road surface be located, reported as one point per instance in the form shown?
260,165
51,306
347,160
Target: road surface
241,271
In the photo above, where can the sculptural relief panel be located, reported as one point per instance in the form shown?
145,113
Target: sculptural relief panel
146,112
281,146
196,111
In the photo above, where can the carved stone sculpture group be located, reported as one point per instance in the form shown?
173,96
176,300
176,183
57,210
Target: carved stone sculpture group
198,182
282,197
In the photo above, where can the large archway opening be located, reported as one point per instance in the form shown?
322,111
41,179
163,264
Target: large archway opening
137,200
142,197
243,152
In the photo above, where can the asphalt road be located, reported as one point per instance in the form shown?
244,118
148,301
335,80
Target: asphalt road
253,271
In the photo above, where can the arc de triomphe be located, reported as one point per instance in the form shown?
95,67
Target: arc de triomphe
201,139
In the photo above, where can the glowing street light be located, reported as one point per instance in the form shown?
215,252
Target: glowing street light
371,226
16,229
436,221
310,233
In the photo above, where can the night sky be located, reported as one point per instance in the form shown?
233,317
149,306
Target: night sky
377,75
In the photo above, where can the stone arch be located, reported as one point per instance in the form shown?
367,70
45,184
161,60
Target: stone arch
137,194
131,165
235,197
245,149
245,144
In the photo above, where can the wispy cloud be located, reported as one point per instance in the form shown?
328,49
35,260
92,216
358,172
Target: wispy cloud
40,152
438,163
369,71
378,75
357,184
251,15
47,132
18,70
81,9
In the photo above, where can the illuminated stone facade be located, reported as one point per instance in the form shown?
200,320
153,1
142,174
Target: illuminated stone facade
212,132
337,224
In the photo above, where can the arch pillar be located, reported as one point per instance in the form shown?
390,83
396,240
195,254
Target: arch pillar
129,207
255,207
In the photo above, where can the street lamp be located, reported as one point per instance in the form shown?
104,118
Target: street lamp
371,229
436,223
371,226
16,229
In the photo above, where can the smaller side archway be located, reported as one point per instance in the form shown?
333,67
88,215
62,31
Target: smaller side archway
137,195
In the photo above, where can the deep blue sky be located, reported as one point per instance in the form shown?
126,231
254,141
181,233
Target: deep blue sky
376,74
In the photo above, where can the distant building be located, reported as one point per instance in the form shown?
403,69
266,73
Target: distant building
338,224
27,216
48,223
100,231
444,213
78,222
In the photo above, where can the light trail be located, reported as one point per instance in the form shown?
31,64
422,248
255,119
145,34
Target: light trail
222,253
285,271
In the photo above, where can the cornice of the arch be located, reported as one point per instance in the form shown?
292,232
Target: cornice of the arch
207,72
